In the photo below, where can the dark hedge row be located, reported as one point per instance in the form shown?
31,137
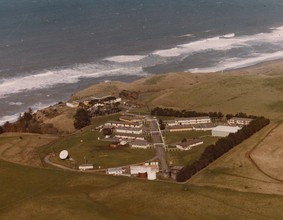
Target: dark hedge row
223,145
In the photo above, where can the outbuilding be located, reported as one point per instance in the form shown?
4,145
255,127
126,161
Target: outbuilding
189,144
224,131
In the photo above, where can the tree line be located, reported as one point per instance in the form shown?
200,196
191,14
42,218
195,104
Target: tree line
27,122
170,112
223,145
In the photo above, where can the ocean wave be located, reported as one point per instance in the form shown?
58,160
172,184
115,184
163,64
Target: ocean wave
125,58
50,78
275,36
134,64
235,63
15,103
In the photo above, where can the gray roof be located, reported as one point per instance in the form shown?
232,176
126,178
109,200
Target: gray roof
190,142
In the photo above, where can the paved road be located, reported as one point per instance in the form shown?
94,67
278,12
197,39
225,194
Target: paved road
160,153
159,144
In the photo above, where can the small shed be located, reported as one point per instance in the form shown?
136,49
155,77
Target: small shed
86,167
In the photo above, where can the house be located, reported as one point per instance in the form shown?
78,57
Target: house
239,121
224,131
140,144
189,144
85,167
128,130
115,171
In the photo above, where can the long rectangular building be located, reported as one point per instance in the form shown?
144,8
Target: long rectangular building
123,124
188,121
239,121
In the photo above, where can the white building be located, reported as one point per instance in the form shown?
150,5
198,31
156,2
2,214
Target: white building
193,120
239,121
188,121
123,124
130,136
129,130
115,171
224,131
148,167
86,167
140,144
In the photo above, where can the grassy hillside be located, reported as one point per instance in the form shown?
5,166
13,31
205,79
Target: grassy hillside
44,194
256,90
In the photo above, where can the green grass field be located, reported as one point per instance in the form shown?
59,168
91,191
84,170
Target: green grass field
37,193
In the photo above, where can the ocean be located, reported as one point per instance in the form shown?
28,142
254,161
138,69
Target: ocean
50,49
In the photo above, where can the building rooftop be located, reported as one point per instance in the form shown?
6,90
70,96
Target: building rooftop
180,126
230,129
190,142
129,129
123,122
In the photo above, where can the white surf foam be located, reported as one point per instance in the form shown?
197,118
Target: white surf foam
15,103
10,118
47,79
223,43
125,58
235,63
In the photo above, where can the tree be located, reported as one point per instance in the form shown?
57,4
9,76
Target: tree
82,118
1,130
161,124
107,131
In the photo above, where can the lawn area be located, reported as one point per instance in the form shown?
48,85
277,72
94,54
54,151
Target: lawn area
84,146
175,137
59,194
182,158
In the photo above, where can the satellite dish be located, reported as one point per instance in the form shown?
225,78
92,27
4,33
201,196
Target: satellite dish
63,155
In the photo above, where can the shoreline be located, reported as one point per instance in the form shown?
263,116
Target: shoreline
260,68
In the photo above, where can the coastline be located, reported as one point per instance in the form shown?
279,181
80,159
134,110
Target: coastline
267,67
